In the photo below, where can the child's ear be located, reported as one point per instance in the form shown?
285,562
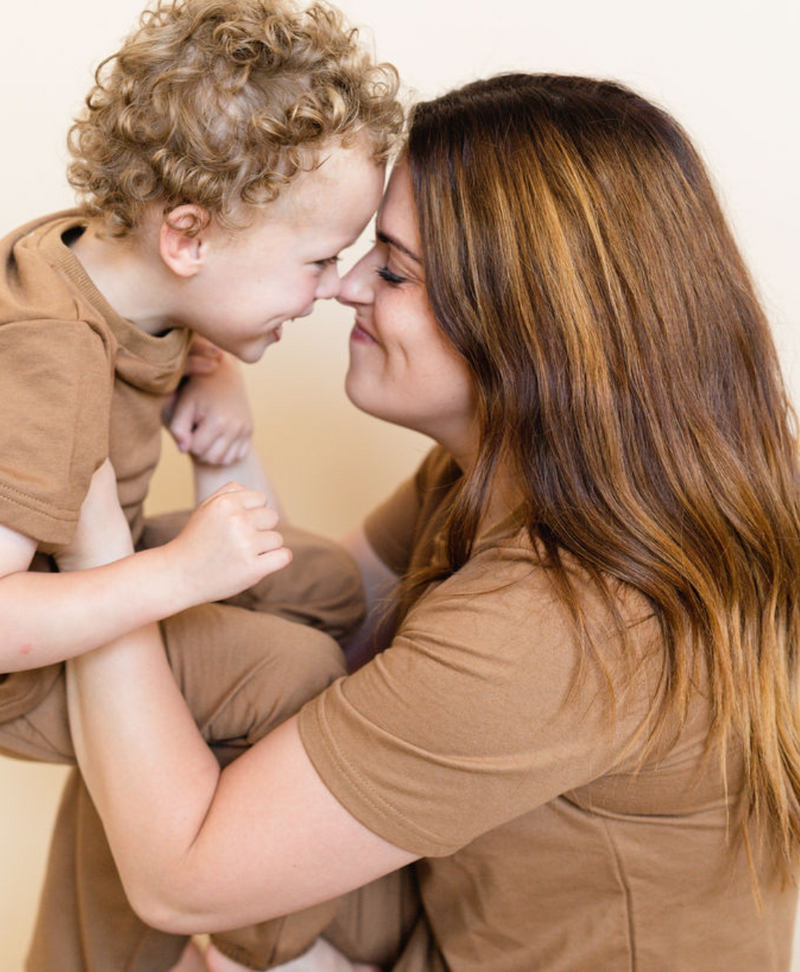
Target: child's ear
181,239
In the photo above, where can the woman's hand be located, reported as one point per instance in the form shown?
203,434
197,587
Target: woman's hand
228,545
210,416
102,534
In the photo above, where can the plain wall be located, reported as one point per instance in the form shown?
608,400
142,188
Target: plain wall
727,70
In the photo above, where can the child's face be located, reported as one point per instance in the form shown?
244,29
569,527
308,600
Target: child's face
251,282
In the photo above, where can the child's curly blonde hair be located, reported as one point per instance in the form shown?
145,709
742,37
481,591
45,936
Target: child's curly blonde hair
219,103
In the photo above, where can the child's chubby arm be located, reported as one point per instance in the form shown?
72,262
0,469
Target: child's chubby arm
106,590
210,416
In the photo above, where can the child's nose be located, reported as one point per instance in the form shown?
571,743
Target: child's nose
329,283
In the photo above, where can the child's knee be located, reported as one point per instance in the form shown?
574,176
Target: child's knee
244,672
34,723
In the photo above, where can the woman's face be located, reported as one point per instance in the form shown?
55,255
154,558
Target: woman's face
402,368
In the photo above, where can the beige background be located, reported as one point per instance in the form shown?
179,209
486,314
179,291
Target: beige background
726,69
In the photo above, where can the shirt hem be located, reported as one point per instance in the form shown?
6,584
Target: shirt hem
338,776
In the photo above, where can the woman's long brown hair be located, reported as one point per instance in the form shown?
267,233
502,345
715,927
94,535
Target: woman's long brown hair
576,256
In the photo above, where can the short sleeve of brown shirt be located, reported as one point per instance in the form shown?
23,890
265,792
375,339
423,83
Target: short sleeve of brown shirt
395,528
78,383
54,406
462,724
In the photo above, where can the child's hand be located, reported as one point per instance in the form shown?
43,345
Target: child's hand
210,416
228,545
102,534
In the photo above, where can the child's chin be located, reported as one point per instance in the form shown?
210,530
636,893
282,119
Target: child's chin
253,353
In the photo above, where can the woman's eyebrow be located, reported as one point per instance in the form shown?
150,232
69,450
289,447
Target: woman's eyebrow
391,241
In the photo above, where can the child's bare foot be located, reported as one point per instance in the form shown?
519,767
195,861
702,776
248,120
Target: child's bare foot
190,961
321,957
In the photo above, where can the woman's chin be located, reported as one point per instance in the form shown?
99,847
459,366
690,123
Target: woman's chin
367,400
358,395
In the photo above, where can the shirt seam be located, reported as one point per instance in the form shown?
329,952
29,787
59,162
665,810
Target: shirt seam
34,505
632,964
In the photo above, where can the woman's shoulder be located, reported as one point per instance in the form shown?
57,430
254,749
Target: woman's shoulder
507,562
510,602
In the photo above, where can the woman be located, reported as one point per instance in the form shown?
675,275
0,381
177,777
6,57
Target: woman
584,728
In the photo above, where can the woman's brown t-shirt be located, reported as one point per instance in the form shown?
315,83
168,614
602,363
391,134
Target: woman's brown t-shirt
545,844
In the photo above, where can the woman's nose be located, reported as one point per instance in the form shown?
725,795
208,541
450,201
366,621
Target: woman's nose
357,284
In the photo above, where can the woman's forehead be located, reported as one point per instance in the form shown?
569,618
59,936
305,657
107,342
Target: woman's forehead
397,215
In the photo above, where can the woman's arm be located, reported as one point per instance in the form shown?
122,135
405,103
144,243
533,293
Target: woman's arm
380,584
196,848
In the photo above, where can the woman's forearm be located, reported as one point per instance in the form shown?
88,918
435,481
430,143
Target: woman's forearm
150,774
199,849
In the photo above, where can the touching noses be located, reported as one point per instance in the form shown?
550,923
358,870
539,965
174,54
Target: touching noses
357,283
329,283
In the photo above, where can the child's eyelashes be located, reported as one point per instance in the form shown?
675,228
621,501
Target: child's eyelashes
327,262
391,278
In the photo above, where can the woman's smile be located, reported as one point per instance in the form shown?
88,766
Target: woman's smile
361,335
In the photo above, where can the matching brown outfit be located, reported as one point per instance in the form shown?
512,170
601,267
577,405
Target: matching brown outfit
483,739
545,844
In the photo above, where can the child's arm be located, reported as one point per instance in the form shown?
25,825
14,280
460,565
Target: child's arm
52,617
210,419
248,471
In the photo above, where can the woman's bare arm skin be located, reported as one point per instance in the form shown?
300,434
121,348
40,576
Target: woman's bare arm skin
198,849
380,584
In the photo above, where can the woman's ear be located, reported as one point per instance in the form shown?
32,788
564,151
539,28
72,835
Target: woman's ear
182,243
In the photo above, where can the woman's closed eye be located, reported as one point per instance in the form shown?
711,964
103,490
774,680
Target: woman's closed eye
391,278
